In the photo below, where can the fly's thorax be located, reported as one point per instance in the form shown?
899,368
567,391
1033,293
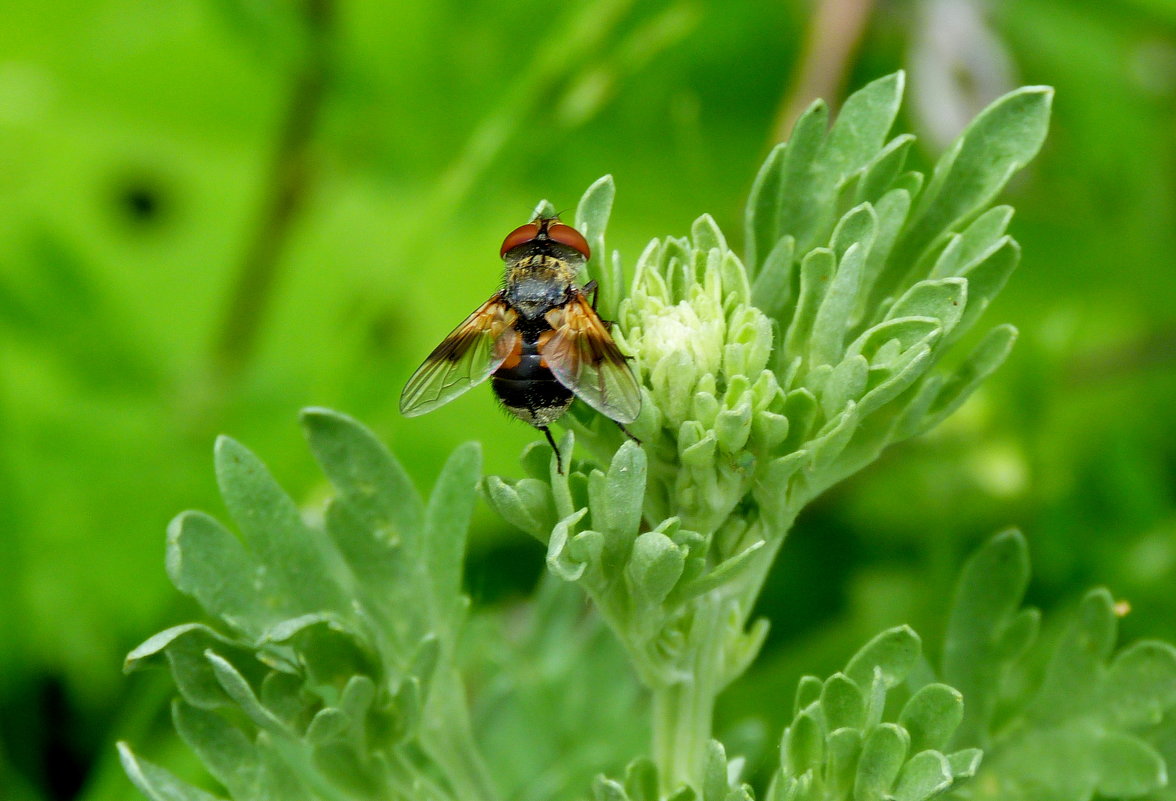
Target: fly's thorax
538,282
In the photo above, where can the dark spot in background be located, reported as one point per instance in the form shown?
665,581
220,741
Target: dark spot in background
141,199
507,569
47,746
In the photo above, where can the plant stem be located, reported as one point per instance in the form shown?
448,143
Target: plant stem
289,184
683,710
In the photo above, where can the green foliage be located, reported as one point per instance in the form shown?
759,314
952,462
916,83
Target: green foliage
334,676
340,671
751,411
1083,729
840,743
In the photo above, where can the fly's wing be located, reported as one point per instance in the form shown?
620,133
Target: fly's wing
582,356
464,359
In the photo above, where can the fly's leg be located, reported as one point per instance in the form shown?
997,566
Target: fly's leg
627,432
558,458
591,288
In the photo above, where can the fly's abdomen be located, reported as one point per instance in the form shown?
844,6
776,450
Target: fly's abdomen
530,392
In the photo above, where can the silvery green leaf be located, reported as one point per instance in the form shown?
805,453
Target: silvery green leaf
943,299
808,691
863,123
895,651
157,783
891,211
827,337
966,762
800,212
846,383
772,290
995,145
907,332
225,751
816,273
895,380
980,363
365,475
722,573
715,781
591,220
615,498
239,689
803,746
1140,686
931,716
879,175
925,775
558,559
732,427
208,563
184,648
761,221
641,780
834,437
528,510
447,518
986,277
706,235
842,703
328,724
977,239
859,225
303,572
655,566
883,754
987,597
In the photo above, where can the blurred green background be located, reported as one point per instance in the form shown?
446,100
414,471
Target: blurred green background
216,212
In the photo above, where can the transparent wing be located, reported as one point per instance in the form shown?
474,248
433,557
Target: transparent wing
464,359
583,357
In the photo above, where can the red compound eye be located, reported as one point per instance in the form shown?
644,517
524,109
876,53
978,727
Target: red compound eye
567,235
519,236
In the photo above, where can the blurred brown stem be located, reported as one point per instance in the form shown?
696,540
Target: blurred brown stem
834,32
290,179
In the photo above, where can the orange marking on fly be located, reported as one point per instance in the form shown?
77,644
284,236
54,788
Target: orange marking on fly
577,355
515,356
544,338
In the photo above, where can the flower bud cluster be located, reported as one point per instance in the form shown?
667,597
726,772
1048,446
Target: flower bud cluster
713,409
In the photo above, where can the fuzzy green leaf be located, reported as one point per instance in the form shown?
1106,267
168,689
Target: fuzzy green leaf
803,748
994,146
924,776
655,566
863,123
827,338
932,715
447,519
365,474
184,648
208,563
980,363
157,783
302,573
895,651
227,753
883,754
987,597
641,780
616,497
842,703
772,290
